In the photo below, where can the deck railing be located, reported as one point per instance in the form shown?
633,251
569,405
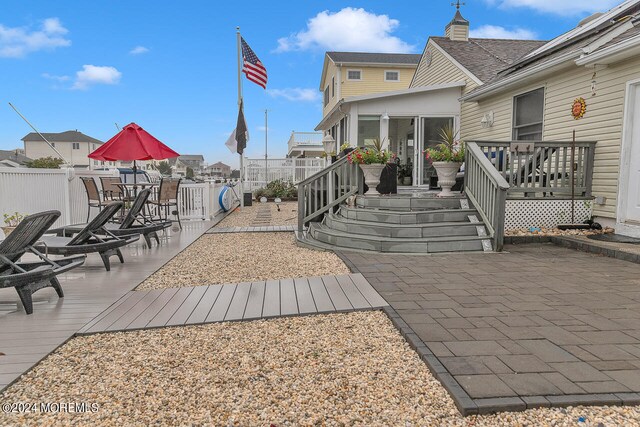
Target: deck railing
486,189
257,173
543,168
326,189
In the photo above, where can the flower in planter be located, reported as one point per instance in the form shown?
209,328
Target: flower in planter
449,149
371,155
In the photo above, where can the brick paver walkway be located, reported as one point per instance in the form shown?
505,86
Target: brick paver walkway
542,324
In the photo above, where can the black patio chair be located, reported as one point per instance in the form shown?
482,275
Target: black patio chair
94,238
29,277
135,222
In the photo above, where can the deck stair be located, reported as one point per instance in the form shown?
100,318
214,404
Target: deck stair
401,223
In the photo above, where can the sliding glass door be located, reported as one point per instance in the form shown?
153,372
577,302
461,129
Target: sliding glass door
430,129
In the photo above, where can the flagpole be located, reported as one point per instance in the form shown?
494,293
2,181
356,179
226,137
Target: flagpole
238,37
266,133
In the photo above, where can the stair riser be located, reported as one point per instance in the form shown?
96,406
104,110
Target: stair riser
408,231
407,203
415,218
353,242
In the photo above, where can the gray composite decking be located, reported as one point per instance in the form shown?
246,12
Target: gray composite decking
233,302
257,229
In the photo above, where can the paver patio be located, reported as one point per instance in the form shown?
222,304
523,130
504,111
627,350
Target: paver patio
537,325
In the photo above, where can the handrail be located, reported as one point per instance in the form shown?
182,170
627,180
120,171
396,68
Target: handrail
486,189
326,189
553,169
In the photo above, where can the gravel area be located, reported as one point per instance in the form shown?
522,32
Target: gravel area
243,257
254,215
543,231
338,369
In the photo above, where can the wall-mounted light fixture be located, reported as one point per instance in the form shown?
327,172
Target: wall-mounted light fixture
487,120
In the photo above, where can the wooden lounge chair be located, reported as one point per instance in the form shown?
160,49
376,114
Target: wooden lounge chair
94,238
28,277
135,222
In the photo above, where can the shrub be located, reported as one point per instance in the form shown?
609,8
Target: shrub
277,188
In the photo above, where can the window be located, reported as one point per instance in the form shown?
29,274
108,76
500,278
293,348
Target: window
392,76
354,75
333,86
76,145
326,96
368,130
53,144
528,111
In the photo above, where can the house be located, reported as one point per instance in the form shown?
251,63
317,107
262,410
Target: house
350,74
194,162
13,158
305,144
586,80
218,169
519,103
74,146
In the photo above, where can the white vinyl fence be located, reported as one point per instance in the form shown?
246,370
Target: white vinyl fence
287,169
29,191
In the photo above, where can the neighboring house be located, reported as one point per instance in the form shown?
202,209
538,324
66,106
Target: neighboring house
219,169
73,145
13,158
349,74
305,144
193,161
532,98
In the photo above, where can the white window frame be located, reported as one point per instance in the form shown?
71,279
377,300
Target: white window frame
513,111
354,80
75,145
326,96
391,71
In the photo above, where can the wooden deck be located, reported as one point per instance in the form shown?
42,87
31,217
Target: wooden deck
232,302
261,229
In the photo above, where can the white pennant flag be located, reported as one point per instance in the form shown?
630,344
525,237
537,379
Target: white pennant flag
231,143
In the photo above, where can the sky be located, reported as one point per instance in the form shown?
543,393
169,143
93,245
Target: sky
171,67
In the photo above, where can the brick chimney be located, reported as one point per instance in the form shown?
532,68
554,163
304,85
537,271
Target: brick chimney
458,28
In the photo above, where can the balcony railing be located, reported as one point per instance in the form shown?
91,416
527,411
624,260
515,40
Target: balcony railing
548,169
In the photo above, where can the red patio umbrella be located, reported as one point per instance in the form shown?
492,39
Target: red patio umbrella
133,143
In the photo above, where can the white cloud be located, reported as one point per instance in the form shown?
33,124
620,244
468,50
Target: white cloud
497,32
138,50
559,7
56,78
349,29
296,94
263,128
92,75
17,42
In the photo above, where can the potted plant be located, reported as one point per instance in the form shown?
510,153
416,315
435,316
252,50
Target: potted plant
11,222
372,161
446,158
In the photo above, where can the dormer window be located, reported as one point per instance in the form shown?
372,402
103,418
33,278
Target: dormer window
391,76
354,74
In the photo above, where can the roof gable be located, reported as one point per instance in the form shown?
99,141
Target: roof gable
484,58
68,136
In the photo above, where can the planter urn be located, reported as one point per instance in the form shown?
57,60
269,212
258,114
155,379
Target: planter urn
372,174
446,176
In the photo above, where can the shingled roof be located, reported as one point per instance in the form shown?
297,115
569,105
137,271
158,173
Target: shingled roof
68,136
374,58
484,58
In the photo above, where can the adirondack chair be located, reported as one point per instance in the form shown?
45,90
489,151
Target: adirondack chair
134,222
94,238
28,277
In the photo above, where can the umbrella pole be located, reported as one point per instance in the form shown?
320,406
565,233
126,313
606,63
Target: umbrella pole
135,176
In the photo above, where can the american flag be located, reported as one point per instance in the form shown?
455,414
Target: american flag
252,67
